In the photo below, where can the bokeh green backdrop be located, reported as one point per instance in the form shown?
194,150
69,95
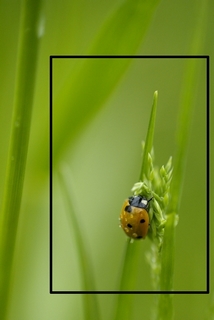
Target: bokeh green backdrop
104,159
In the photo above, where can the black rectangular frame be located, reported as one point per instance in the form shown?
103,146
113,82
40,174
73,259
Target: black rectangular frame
207,58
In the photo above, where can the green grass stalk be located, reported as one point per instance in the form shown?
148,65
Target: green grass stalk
165,303
132,250
21,122
95,77
91,308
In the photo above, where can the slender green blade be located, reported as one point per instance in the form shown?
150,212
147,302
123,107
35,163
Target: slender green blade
90,303
149,137
165,302
27,59
85,90
132,250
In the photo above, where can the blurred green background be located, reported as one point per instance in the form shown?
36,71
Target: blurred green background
104,157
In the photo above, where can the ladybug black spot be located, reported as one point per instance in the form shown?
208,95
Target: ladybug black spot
142,221
139,237
129,225
128,209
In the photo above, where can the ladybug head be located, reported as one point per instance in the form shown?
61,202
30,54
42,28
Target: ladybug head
139,201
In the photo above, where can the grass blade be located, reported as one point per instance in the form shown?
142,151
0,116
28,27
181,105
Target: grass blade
27,58
91,308
132,250
85,91
165,306
149,137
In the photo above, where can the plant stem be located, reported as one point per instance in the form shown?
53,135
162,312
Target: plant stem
149,137
27,57
127,281
91,307
165,303
132,251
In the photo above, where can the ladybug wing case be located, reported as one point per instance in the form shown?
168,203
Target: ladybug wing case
134,221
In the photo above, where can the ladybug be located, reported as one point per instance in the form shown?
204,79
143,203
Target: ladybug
134,217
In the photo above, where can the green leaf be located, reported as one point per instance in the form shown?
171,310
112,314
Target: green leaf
149,137
85,91
21,122
132,250
123,31
91,308
165,305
